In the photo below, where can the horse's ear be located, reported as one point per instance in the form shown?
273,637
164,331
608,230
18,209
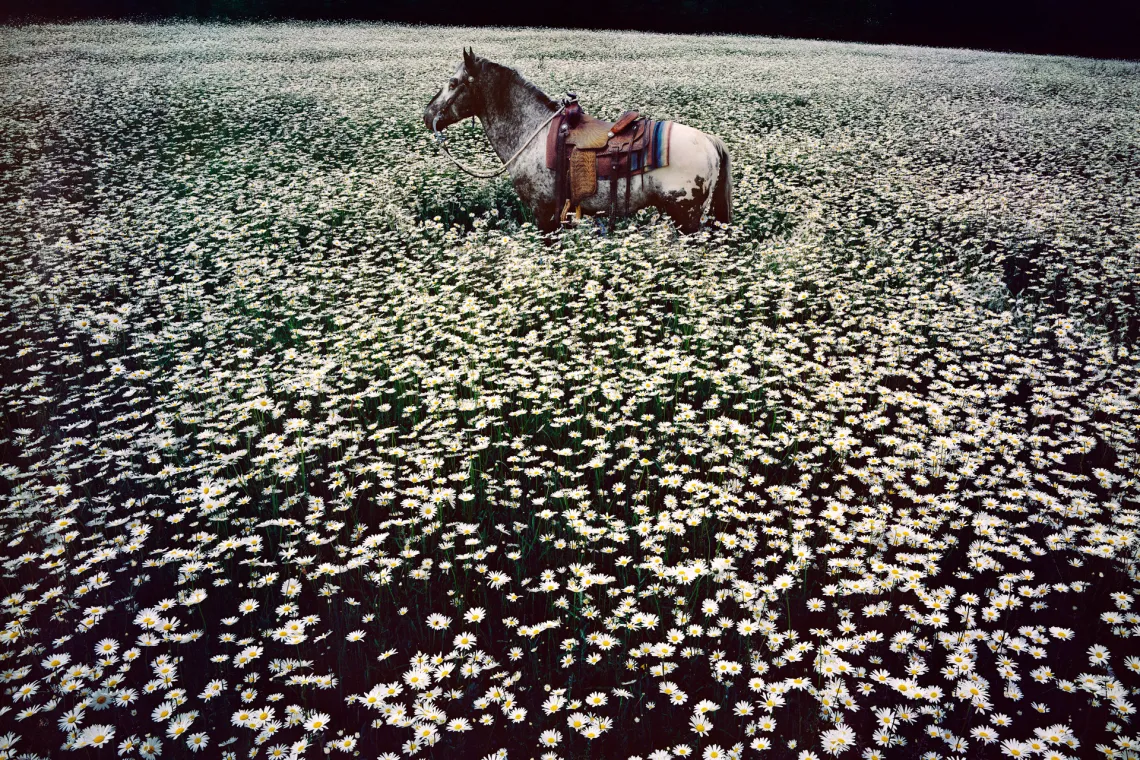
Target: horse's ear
469,62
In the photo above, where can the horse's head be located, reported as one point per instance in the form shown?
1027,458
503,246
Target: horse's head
458,98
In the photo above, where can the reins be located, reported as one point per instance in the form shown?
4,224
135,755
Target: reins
440,138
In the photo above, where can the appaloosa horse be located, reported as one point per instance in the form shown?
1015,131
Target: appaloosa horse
518,117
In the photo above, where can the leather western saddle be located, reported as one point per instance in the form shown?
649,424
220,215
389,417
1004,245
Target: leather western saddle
581,149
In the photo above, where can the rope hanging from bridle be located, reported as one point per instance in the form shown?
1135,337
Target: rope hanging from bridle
440,139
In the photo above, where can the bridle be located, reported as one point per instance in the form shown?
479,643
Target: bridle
440,138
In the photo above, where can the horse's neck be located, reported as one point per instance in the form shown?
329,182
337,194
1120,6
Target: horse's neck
511,114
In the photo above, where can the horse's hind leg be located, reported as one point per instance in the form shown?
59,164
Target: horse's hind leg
690,223
686,215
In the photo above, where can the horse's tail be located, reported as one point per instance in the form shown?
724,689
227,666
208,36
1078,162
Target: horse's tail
722,191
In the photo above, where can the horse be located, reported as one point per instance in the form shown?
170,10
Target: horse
516,116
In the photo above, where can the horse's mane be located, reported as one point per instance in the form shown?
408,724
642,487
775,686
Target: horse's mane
522,81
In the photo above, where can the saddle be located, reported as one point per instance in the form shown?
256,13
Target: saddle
581,150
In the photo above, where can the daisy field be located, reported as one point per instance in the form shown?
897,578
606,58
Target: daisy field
312,446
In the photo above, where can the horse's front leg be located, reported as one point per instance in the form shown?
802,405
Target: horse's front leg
544,216
539,199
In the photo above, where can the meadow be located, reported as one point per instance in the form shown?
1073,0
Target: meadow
312,446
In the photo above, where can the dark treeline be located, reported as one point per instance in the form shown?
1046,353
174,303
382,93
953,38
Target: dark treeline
1097,28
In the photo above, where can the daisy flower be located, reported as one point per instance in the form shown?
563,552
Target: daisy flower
317,721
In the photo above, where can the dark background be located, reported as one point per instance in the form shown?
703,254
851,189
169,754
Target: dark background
1096,28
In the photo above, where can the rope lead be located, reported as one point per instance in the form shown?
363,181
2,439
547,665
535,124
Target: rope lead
440,138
